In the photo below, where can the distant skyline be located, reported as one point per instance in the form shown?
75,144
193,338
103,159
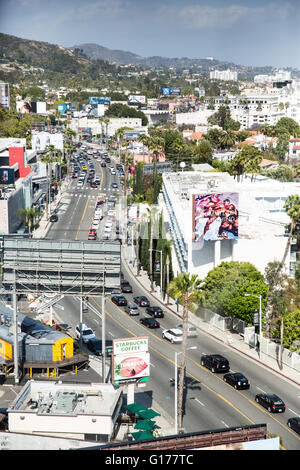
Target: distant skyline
257,33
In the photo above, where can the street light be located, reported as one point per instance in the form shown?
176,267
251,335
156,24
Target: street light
258,297
161,268
176,387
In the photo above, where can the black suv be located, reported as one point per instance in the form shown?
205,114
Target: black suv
126,287
155,312
271,402
119,300
215,362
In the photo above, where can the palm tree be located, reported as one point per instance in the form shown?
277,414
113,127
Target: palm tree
167,247
227,139
138,199
292,207
145,141
29,216
48,158
185,288
152,220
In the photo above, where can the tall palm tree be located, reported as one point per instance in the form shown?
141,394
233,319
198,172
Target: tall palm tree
152,212
138,199
48,158
185,288
145,141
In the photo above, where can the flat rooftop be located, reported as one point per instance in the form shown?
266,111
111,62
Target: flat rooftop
56,398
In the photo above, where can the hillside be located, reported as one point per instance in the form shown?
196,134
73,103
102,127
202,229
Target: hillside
94,52
48,56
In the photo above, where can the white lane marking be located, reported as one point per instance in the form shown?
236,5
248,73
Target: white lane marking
198,401
260,389
296,414
225,424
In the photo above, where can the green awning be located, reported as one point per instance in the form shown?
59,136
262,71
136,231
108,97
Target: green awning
145,425
138,436
134,408
147,414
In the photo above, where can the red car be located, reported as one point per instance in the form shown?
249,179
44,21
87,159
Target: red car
74,175
93,184
92,231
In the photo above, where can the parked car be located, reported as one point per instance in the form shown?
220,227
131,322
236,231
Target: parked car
173,335
53,218
191,330
132,309
271,402
155,311
114,185
95,224
126,287
215,362
119,300
142,301
237,380
92,236
150,322
87,332
294,424
95,346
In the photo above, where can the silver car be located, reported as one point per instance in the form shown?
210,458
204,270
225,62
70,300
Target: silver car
132,309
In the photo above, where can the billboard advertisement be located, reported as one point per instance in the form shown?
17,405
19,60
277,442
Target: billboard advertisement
64,107
99,100
138,99
131,360
7,176
215,216
171,91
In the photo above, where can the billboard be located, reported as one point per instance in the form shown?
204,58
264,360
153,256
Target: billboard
64,107
131,360
138,99
99,100
7,176
171,91
215,216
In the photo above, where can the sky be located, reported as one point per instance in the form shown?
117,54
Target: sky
245,32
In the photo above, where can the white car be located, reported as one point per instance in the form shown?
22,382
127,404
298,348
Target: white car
86,332
174,335
80,183
113,171
108,225
98,216
95,224
191,330
111,212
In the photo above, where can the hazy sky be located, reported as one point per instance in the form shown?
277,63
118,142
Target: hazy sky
265,32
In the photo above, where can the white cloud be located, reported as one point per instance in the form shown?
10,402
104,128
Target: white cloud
195,16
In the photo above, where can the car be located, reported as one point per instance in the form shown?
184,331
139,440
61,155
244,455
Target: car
119,300
237,380
93,184
150,322
98,215
132,309
87,332
80,183
271,402
142,301
74,175
215,362
294,424
155,312
108,225
103,164
111,212
95,224
95,346
114,185
174,335
53,218
126,287
112,171
107,160
92,236
191,330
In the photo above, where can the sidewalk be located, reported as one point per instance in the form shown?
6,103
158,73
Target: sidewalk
231,339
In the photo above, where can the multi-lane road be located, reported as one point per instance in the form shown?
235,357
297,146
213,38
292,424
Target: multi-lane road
209,402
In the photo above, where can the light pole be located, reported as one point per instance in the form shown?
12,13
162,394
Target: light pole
258,297
159,251
176,387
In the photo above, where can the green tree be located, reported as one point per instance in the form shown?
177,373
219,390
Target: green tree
292,208
48,158
247,160
30,216
223,290
185,288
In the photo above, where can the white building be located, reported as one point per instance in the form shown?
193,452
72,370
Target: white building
223,75
86,411
279,76
262,233
40,140
4,95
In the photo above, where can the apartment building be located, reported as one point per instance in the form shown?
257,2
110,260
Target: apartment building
223,75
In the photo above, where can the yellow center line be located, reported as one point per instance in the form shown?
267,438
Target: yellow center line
82,217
